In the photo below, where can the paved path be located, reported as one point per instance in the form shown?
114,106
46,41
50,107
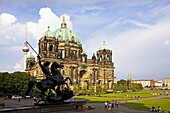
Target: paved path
9,103
99,108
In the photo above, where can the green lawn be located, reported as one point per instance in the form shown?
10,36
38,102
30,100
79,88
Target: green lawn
101,99
121,96
141,104
147,104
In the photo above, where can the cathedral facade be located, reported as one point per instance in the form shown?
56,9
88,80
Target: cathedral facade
63,46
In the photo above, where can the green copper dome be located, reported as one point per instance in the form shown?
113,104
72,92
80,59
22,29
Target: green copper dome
30,55
62,34
104,46
48,33
65,34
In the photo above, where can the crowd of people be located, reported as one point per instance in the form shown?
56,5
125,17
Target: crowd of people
110,105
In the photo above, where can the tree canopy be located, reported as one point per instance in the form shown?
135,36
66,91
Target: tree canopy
125,85
14,83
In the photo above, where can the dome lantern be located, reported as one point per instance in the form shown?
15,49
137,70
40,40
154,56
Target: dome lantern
48,28
63,24
31,56
48,33
104,46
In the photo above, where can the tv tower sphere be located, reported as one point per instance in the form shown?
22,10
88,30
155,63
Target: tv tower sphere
25,48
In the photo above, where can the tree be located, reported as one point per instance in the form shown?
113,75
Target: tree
15,83
124,85
123,82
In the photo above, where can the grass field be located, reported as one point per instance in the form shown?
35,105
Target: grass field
122,96
141,104
147,104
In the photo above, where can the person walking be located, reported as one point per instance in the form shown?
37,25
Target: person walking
105,105
112,103
109,106
117,103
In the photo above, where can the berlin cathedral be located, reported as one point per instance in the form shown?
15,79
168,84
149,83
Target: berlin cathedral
63,46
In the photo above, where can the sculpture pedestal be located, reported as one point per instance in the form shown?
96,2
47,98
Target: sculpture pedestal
2,101
68,105
40,109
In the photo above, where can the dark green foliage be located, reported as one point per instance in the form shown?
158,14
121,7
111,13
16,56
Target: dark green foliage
125,86
15,83
121,86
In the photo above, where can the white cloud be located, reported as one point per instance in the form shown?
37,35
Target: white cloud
136,50
47,18
139,24
167,42
19,66
7,19
13,33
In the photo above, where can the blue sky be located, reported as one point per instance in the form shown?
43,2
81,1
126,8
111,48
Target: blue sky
137,31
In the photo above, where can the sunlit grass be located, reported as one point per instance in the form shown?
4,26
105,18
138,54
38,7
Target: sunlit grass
147,104
141,104
122,96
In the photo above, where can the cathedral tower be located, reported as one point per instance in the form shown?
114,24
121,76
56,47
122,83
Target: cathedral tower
30,61
48,45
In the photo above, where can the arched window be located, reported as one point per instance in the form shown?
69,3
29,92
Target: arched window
63,54
63,72
51,48
72,38
59,54
83,59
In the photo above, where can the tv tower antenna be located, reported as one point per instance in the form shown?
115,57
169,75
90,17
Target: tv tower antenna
25,49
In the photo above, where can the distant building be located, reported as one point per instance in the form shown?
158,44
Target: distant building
149,83
144,83
158,83
167,82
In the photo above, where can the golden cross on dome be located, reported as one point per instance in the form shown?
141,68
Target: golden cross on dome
64,19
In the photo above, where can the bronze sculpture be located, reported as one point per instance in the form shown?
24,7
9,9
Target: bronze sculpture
53,79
